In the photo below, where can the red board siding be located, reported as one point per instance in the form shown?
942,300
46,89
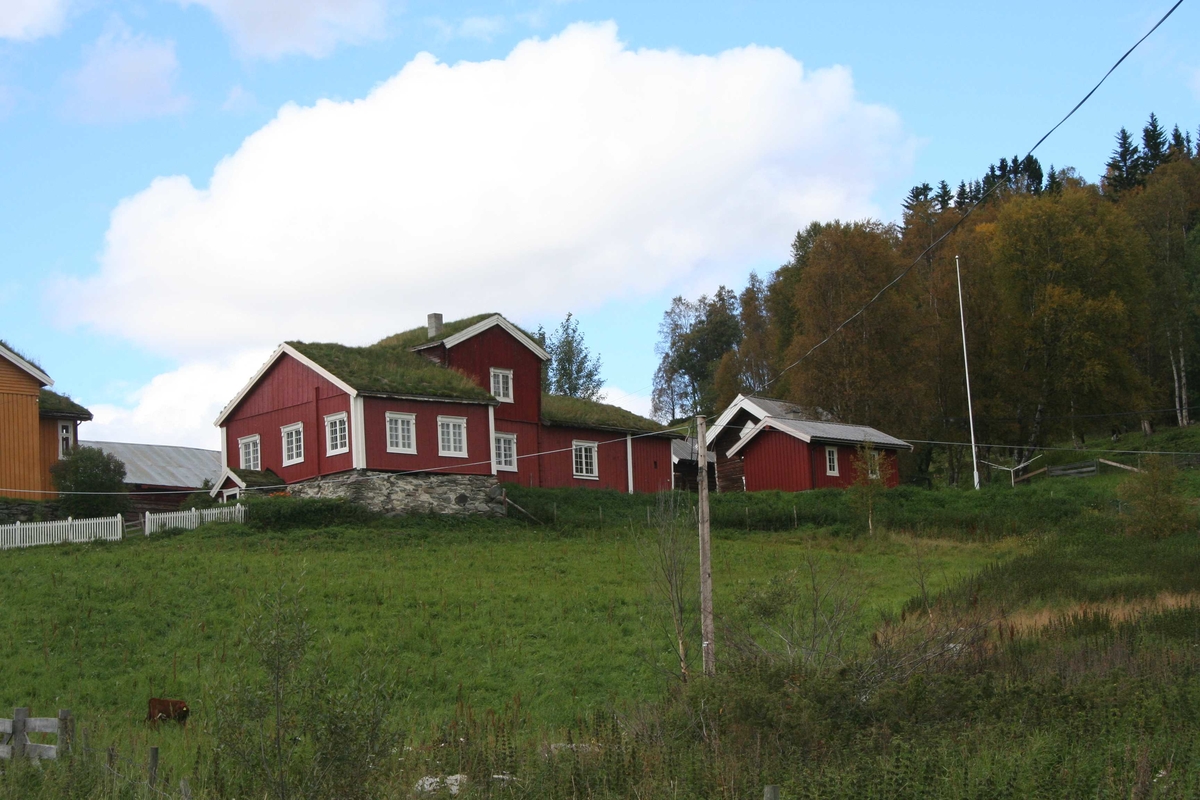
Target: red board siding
479,446
774,460
498,348
558,467
528,472
651,464
288,393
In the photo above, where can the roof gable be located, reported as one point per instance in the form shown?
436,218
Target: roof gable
283,349
757,408
25,365
459,331
810,431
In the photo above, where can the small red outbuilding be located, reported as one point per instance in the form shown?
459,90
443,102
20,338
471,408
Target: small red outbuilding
794,455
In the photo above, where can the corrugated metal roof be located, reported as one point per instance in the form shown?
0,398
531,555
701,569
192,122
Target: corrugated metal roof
811,430
685,450
164,465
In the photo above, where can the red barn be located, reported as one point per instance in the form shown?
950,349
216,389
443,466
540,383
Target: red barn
461,398
769,444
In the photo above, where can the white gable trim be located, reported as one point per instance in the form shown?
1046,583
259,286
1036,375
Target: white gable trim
762,426
280,352
480,327
739,402
25,366
231,475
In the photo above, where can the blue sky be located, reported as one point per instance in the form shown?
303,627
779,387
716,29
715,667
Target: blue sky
489,180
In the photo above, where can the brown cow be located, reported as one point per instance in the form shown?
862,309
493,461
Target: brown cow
163,710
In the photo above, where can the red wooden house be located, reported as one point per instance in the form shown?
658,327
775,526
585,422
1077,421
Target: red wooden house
461,398
762,444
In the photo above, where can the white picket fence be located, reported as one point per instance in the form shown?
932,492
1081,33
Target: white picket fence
112,529
193,518
32,534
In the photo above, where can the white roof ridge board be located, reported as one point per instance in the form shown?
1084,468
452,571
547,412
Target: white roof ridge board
796,429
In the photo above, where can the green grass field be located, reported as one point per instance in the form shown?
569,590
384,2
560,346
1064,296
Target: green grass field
556,628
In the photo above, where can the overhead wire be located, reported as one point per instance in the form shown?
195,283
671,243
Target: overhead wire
971,209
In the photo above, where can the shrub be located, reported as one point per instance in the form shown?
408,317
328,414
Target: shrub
1156,507
290,513
92,483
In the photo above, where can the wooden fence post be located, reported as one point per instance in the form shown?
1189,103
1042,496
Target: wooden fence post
153,778
18,732
66,730
770,793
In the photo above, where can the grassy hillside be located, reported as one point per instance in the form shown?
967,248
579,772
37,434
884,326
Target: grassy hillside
501,637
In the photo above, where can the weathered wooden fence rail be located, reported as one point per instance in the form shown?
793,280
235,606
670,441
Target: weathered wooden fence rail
31,534
1080,469
192,518
14,741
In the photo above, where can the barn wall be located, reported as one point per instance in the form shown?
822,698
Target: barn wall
479,446
651,464
498,348
288,393
20,446
48,447
528,473
774,460
847,467
557,468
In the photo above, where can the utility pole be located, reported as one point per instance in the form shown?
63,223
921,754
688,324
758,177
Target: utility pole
962,318
707,632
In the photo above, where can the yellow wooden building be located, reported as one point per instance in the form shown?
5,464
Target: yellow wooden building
37,427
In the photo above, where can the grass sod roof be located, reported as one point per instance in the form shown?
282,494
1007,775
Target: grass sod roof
20,355
257,478
391,369
578,413
53,404
419,337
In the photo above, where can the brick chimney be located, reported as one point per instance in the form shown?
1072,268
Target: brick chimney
435,325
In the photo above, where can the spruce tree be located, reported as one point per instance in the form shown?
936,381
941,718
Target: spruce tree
1154,146
1053,181
944,197
1180,146
962,198
1123,166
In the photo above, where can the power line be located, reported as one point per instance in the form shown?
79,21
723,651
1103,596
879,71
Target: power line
683,428
971,209
1063,449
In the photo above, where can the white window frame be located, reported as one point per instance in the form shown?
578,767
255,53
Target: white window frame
257,442
331,419
283,436
831,460
66,433
578,445
502,373
398,417
873,464
452,421
500,465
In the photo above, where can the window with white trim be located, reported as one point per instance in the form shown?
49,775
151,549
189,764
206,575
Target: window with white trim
506,452
66,439
873,464
452,436
401,432
293,443
502,385
250,452
337,434
831,461
585,463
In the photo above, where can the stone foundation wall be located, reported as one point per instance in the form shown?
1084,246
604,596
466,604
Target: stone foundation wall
412,493
12,510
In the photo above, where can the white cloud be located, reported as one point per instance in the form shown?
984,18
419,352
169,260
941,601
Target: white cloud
637,403
274,28
176,407
573,172
125,77
31,19
239,100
